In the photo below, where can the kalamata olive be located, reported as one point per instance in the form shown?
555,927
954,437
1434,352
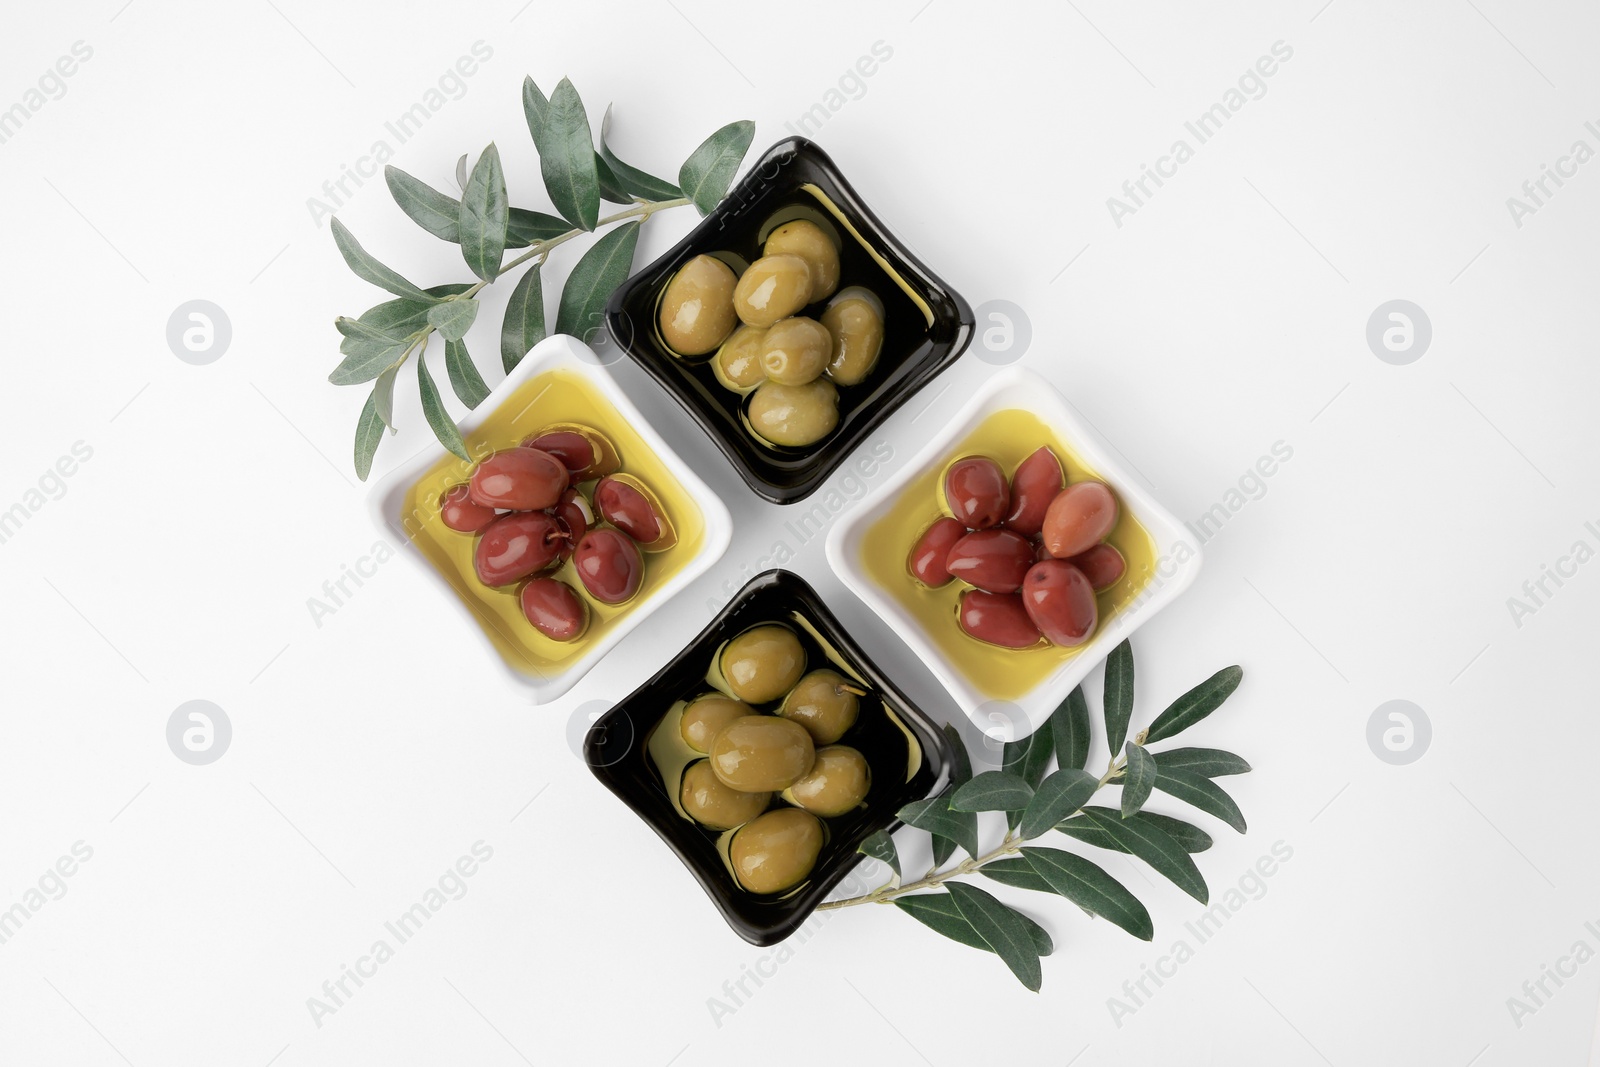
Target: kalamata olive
994,560
794,415
704,716
928,555
772,288
585,452
763,663
609,565
1081,514
1102,565
776,851
575,514
837,782
825,702
697,307
1061,603
997,618
554,609
520,479
738,362
796,350
977,491
808,241
1041,552
854,320
715,806
517,545
458,511
1033,487
760,752
624,504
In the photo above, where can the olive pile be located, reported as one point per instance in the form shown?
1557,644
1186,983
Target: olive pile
788,365
530,510
792,753
1033,549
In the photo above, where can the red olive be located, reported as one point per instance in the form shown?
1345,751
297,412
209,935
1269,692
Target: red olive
1081,515
460,513
554,609
1036,483
1102,565
1041,553
998,618
572,448
1061,603
521,479
977,492
609,565
517,545
574,513
626,507
992,560
929,553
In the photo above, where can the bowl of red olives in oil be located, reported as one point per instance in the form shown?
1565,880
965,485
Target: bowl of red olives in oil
570,524
765,752
1014,552
790,323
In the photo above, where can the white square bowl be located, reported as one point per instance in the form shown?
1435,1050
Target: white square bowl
564,353
1176,550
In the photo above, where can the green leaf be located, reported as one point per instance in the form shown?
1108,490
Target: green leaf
1196,704
524,322
1089,832
383,396
369,269
461,172
880,846
464,376
435,212
934,815
1203,793
960,775
371,352
566,154
444,427
362,337
993,791
369,431
1069,726
1018,872
603,267
707,173
1191,838
453,318
1155,847
1003,928
1057,797
632,179
1092,889
484,216
1119,696
938,911
1211,762
611,189
404,316
1138,779
534,107
523,227
1029,759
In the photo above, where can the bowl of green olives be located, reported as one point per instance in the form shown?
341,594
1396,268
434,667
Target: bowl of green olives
790,323
766,752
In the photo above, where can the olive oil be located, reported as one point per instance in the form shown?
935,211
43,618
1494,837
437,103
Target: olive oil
555,399
1007,437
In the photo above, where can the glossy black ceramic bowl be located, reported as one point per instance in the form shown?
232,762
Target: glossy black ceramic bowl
908,754
927,324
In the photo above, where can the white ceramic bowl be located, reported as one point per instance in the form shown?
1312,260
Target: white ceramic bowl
561,352
1176,550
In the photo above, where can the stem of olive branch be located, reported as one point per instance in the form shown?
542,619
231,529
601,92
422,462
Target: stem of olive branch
1010,845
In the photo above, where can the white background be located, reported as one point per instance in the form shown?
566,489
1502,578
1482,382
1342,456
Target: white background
1227,314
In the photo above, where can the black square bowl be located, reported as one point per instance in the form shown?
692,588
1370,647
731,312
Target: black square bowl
908,754
927,325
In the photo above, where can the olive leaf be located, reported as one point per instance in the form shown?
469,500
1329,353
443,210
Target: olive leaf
566,154
1003,928
707,173
484,216
404,316
444,427
369,352
1201,792
1155,847
523,326
1119,696
1069,727
1211,762
435,212
461,172
464,377
453,318
1018,872
523,227
611,188
1091,888
880,846
603,267
1057,797
367,268
383,396
1196,704
1089,832
960,774
369,431
992,791
1029,759
632,179
1191,838
534,107
1138,779
934,815
938,911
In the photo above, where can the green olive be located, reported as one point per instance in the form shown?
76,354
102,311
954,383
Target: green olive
738,362
763,663
714,805
761,752
824,702
773,288
697,308
837,782
794,415
796,350
776,851
854,319
808,241
705,715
